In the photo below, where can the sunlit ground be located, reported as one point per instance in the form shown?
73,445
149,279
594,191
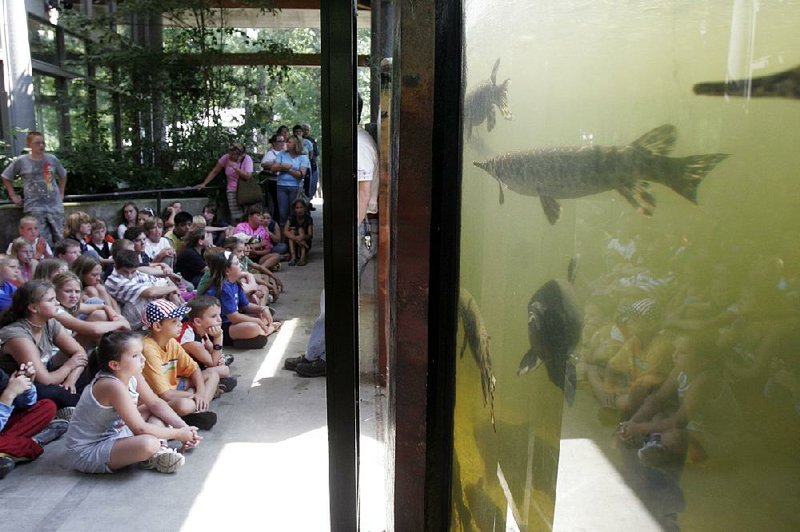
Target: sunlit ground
277,348
266,477
591,494
284,483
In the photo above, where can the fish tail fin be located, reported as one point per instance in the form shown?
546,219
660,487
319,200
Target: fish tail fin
658,141
692,171
505,109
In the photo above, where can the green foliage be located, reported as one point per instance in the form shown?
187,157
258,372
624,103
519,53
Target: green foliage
197,108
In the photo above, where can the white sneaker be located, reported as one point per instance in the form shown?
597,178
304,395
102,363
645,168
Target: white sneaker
165,460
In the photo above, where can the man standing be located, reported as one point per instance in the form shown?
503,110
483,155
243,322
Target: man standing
44,180
313,158
314,362
299,132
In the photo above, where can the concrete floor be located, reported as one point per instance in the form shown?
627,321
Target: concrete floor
264,466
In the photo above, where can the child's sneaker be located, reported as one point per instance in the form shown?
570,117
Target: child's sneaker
654,454
65,413
165,460
227,384
52,431
201,420
6,465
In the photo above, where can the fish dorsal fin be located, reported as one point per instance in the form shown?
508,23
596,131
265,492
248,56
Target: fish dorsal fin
658,141
493,77
551,209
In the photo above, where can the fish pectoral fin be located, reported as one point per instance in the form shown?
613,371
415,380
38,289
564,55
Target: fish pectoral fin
639,196
529,362
552,209
496,66
502,196
491,119
658,141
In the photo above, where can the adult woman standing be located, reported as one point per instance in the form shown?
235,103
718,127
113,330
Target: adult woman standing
237,165
291,166
277,145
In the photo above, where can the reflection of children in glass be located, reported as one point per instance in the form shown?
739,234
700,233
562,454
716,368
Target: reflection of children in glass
706,418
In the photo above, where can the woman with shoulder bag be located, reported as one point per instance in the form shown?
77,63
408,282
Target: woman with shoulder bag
238,168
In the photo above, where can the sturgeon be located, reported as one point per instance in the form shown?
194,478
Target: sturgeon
577,171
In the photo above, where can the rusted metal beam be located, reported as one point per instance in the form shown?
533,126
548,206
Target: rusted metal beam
263,59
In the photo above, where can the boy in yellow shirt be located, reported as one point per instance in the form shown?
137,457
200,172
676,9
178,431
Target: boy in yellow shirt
171,372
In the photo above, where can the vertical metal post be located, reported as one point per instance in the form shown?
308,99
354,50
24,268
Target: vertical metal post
341,327
20,81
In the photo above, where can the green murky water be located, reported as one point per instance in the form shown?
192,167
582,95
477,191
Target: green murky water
725,273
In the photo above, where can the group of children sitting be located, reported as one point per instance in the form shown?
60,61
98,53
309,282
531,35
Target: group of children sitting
72,359
674,364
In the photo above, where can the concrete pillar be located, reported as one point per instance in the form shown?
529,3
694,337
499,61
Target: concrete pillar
20,81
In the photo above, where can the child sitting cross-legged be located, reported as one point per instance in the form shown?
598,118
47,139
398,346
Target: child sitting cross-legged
245,325
171,372
201,337
299,233
119,421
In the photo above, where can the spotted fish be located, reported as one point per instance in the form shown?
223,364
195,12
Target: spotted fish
479,103
784,84
573,172
477,338
555,323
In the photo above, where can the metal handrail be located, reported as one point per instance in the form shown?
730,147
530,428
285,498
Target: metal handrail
158,193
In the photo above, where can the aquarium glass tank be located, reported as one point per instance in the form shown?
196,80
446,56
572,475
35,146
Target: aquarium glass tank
628,343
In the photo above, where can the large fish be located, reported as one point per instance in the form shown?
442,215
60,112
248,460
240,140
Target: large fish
784,84
477,338
555,323
574,172
479,103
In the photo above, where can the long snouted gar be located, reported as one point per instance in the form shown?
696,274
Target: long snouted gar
785,84
574,172
476,337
